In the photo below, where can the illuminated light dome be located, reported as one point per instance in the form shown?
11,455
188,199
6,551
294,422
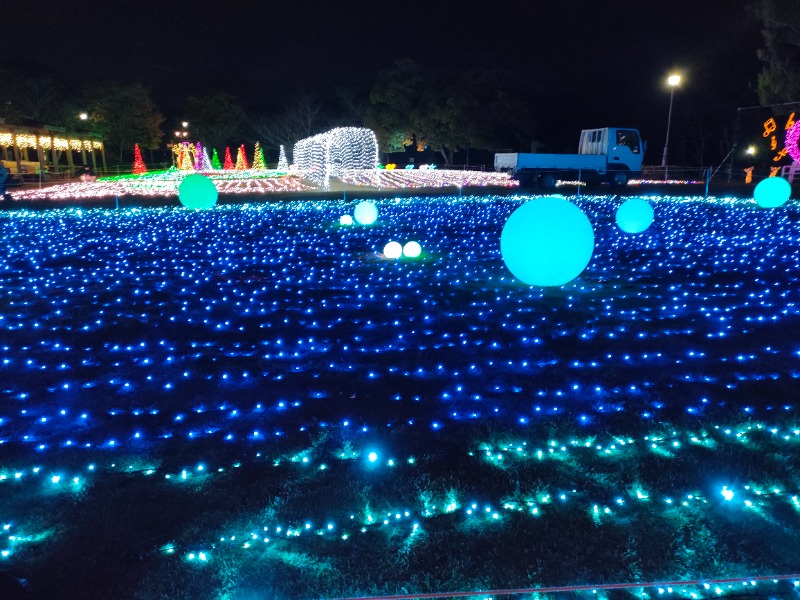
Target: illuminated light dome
634,215
412,250
393,250
547,242
345,220
197,191
772,192
365,213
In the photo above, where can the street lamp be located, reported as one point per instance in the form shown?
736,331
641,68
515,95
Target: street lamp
672,81
83,116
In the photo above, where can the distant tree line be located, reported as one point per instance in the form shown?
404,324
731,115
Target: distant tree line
409,107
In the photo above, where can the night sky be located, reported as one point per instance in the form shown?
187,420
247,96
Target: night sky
594,62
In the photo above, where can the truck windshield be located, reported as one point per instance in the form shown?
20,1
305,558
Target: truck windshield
629,138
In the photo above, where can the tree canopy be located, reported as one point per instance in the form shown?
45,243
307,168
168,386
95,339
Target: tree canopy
446,110
779,80
30,98
215,119
300,118
125,115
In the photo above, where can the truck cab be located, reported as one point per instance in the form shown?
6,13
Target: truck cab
622,148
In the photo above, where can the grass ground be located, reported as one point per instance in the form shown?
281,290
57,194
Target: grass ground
250,402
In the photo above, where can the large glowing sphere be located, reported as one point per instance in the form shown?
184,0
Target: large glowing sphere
197,191
634,215
365,213
412,250
392,250
772,192
547,242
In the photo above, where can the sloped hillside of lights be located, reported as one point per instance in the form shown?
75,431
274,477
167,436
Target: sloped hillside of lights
425,178
165,184
256,402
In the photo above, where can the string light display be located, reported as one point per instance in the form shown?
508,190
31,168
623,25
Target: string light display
139,167
335,152
215,164
665,182
199,159
241,159
31,141
419,178
165,184
207,164
258,158
792,141
352,408
185,156
283,164
228,165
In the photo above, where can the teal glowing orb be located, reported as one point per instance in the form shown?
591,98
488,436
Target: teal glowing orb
345,220
412,250
635,215
392,250
365,213
772,192
547,242
197,191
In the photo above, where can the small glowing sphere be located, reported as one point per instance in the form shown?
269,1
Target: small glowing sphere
393,250
547,242
412,250
345,220
365,213
373,456
197,191
772,192
634,215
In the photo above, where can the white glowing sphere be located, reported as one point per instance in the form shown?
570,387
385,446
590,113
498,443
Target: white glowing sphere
365,213
393,250
412,250
345,220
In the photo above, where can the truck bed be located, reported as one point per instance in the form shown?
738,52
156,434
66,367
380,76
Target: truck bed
518,161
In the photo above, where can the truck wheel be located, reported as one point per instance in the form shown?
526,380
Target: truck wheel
618,179
547,181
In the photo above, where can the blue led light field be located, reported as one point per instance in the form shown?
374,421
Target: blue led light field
189,396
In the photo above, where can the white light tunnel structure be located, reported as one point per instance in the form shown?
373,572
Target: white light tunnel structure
332,153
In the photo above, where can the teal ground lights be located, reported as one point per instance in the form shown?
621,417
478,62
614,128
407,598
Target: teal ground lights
197,191
634,215
547,242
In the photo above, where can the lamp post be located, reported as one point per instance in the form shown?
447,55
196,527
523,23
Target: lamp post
672,81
